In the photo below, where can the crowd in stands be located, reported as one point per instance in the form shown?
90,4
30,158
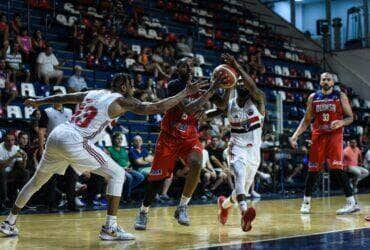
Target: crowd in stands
100,37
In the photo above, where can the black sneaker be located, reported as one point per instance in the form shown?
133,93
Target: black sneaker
181,215
141,221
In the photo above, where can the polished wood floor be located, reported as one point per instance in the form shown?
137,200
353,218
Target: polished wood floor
275,219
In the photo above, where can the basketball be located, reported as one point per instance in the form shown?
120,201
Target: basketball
230,72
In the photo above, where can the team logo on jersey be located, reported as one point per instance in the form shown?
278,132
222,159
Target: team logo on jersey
337,163
250,112
312,164
156,172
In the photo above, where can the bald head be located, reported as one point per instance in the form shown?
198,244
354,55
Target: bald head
326,81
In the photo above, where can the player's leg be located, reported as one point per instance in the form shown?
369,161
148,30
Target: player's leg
162,167
193,154
316,159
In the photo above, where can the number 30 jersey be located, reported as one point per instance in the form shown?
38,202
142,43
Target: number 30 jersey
91,116
326,109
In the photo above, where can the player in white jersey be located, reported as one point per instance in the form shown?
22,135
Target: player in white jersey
72,143
245,113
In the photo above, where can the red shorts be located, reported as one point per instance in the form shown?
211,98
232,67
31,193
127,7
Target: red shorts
326,148
168,150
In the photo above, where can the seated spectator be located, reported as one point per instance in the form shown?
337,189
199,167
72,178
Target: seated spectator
15,64
8,94
208,174
48,66
119,154
38,42
4,76
4,35
77,82
352,157
12,168
25,44
24,144
140,158
182,48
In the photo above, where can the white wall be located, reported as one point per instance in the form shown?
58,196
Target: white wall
282,9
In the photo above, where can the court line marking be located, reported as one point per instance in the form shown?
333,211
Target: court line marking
278,238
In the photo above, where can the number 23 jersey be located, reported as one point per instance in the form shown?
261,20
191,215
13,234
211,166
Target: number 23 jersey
325,110
91,116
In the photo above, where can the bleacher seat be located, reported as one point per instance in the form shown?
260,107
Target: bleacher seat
14,112
235,47
61,88
136,48
286,71
28,112
355,103
153,34
309,85
129,62
27,90
105,140
307,74
142,32
278,70
279,81
198,72
200,59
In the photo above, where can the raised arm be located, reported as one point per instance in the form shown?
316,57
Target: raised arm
54,99
304,124
348,114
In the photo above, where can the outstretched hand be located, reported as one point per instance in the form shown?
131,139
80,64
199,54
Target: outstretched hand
31,102
229,59
194,87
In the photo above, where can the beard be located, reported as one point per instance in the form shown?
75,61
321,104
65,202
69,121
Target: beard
326,87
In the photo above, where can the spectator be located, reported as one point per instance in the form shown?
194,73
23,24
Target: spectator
77,82
79,38
182,48
12,168
119,154
367,160
15,64
48,66
38,42
140,158
24,144
208,174
4,76
25,44
4,34
17,24
352,160
8,94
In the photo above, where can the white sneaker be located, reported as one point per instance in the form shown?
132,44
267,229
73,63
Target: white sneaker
114,233
348,208
78,202
305,208
255,194
8,230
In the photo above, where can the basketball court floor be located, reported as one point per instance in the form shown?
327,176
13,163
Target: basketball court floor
278,225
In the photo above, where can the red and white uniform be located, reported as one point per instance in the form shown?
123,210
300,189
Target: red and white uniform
327,144
246,132
72,143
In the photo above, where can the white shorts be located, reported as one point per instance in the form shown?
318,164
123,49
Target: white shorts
65,146
248,155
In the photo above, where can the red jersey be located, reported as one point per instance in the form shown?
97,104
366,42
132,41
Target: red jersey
176,122
326,109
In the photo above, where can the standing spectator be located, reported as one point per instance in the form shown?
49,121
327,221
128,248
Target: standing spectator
9,170
15,64
77,82
48,66
17,24
352,160
4,34
119,154
25,44
38,42
140,157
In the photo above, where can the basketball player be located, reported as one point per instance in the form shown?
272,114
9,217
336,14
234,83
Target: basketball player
178,139
72,143
331,111
246,112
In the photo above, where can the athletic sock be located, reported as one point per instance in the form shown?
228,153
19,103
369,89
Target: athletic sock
144,209
307,199
228,202
111,220
243,206
351,199
184,200
11,219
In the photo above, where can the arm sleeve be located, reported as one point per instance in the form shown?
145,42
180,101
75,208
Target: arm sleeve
40,58
55,61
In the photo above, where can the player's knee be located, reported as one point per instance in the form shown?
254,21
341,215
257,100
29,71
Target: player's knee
195,163
119,175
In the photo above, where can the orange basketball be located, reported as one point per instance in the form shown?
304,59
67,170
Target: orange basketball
230,72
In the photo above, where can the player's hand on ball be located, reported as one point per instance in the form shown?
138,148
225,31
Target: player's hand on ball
293,142
336,124
31,102
229,59
219,80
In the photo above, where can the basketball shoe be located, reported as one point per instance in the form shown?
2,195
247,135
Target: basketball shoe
305,208
141,221
8,230
114,232
348,208
223,213
247,218
181,215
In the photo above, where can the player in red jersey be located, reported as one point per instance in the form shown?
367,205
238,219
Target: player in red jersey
178,139
331,111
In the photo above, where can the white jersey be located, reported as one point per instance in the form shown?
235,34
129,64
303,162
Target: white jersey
246,124
92,117
56,117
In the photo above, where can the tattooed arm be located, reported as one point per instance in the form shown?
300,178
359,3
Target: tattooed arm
62,99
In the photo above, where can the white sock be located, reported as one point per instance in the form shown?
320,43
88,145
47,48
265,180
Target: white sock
243,206
11,218
144,209
351,200
307,199
111,220
184,200
228,202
